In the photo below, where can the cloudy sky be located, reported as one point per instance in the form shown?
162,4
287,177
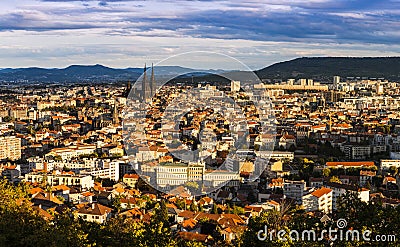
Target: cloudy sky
118,33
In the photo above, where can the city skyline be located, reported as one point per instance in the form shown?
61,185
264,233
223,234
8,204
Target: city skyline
57,33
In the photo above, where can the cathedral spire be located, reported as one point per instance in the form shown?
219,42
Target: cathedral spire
115,117
152,81
128,89
145,86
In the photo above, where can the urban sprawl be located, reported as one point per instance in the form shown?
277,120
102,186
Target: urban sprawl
90,149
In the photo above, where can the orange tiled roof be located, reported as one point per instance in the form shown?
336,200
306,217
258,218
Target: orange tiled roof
390,179
135,176
192,236
189,223
351,163
320,192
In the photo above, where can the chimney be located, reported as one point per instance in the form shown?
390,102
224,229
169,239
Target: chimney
93,206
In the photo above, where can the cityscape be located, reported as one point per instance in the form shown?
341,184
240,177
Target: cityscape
73,149
199,123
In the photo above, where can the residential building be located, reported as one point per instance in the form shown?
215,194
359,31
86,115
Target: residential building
10,148
351,164
295,190
318,200
69,179
341,189
130,180
386,164
94,212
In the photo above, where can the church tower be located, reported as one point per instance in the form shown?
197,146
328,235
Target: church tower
128,89
153,82
145,87
115,116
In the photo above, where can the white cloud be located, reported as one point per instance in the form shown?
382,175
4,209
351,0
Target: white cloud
128,33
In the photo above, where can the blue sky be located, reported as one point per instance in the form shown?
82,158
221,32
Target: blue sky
117,33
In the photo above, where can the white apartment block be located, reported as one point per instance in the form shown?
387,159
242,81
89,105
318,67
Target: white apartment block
218,178
171,175
10,147
70,152
280,155
68,179
105,170
50,165
318,200
356,152
386,164
295,190
235,86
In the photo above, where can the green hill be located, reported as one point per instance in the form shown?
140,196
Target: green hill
324,68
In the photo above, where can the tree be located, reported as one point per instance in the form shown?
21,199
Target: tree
193,207
192,186
270,219
57,158
326,172
228,209
238,210
393,170
335,179
116,202
215,209
251,197
158,232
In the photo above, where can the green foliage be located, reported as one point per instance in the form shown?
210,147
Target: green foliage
158,232
326,172
359,215
324,68
238,210
21,225
215,209
335,179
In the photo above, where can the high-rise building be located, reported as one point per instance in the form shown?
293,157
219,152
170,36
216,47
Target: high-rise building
336,81
235,86
303,82
379,88
10,147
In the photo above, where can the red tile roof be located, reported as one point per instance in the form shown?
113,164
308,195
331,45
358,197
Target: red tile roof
135,176
351,164
320,192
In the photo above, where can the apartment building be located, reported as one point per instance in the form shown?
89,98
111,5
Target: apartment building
350,164
318,200
295,190
10,147
341,189
66,178
72,151
386,164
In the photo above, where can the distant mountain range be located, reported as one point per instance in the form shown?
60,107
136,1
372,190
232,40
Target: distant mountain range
319,68
324,68
92,73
